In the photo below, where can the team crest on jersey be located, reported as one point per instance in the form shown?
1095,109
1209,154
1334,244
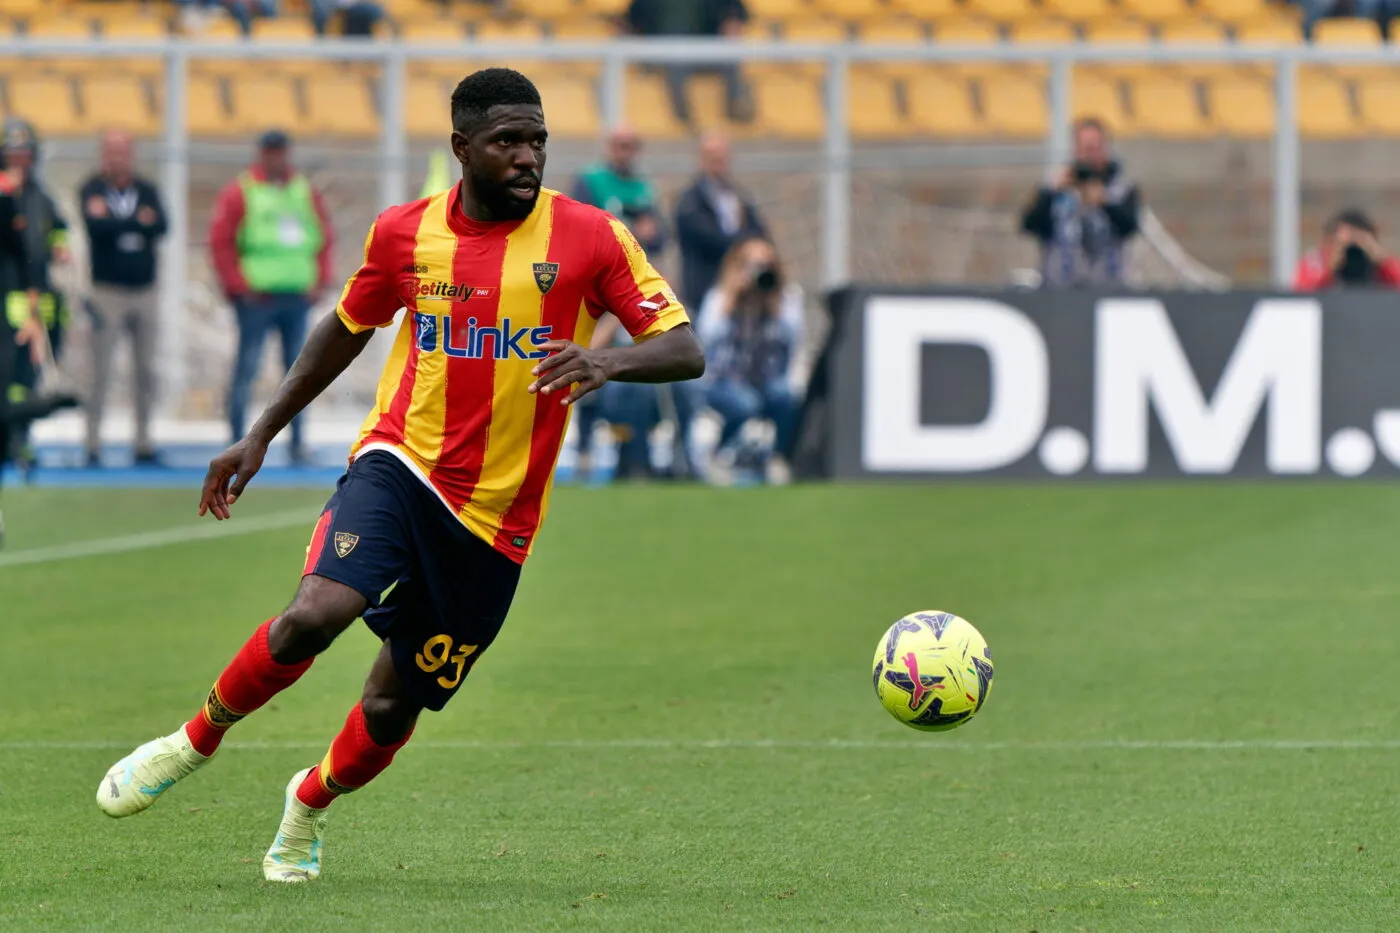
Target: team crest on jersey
546,274
345,543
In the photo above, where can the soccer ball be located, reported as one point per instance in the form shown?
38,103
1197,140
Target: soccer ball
933,670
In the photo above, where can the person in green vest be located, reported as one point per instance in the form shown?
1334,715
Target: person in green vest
270,240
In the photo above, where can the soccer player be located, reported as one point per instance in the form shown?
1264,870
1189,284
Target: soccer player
448,483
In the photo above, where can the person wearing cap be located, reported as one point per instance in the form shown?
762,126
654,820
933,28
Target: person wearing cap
45,234
270,240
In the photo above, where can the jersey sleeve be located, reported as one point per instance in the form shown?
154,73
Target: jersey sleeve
629,286
370,299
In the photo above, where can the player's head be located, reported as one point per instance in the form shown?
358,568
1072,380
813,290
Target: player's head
498,134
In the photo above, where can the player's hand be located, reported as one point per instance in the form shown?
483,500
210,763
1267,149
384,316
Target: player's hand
569,365
229,474
33,336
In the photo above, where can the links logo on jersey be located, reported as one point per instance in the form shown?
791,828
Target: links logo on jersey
470,341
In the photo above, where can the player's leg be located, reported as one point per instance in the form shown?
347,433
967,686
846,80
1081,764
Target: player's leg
345,572
377,727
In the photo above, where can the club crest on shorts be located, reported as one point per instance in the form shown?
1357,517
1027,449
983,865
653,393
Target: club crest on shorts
345,543
546,274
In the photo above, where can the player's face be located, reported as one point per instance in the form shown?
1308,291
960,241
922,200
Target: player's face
505,161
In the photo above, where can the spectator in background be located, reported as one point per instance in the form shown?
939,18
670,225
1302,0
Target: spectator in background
125,222
357,17
1084,219
1350,255
270,241
711,216
45,234
695,18
1381,12
194,14
752,325
616,186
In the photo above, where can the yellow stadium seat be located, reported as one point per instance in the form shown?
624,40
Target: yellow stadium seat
1015,105
1005,11
648,109
893,29
1044,31
871,108
1324,107
571,107
852,10
340,104
1232,11
1098,95
1347,33
789,106
432,31
816,29
205,114
134,27
1121,31
1080,11
507,30
1166,106
605,7
583,27
968,31
261,100
709,104
544,9
47,101
428,113
283,29
62,27
777,9
119,101
1198,31
928,10
417,9
1378,97
1157,11
1241,106
940,105
1268,31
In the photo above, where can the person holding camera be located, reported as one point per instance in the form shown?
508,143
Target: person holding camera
1349,256
1085,218
751,325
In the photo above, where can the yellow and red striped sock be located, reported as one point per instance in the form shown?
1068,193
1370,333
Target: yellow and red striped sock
352,762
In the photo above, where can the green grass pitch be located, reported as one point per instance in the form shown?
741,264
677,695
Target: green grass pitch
1195,723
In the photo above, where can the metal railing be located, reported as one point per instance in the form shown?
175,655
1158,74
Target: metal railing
393,57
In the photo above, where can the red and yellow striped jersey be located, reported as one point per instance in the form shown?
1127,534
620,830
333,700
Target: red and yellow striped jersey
481,299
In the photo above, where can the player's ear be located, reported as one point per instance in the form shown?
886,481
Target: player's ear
461,147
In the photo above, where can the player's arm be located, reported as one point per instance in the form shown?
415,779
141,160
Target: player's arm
369,301
666,348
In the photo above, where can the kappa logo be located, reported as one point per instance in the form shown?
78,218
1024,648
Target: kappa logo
345,543
546,274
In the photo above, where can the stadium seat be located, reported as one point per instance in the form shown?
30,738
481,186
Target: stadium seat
340,104
1080,11
1157,11
648,108
1123,32
1232,11
284,29
607,7
1378,99
1044,31
1003,11
546,10
262,99
1241,106
1097,94
970,31
1166,106
507,30
61,27
928,10
583,27
1199,31
47,101
205,113
571,106
221,29
1347,33
789,106
854,11
429,111
816,29
894,29
119,101
872,109
1268,31
940,105
1015,105
134,27
1324,106
776,9
432,31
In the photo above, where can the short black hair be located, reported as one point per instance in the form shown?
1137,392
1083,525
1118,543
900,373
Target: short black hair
1351,217
491,87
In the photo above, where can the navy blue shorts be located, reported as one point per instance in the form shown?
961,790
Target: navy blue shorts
437,593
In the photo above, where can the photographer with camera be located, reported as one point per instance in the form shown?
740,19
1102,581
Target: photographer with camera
1349,256
751,324
1087,216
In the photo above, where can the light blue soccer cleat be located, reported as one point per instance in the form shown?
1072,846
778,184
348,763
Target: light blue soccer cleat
295,855
133,784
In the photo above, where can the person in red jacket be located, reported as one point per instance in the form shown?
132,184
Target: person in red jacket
270,241
1349,256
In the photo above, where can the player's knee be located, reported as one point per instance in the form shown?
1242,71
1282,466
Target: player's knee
314,619
389,719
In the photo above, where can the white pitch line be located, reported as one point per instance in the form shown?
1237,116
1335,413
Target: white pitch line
931,745
206,528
